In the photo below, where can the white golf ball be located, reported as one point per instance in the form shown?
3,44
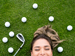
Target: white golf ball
23,19
51,18
10,50
35,6
7,24
5,39
60,49
11,33
69,28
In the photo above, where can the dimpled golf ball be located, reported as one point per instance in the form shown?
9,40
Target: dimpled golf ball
10,50
69,28
23,19
60,49
51,18
35,6
11,33
7,24
5,39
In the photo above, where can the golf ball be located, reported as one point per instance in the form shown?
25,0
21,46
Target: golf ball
5,39
23,19
11,33
51,18
69,28
7,24
35,6
10,50
60,49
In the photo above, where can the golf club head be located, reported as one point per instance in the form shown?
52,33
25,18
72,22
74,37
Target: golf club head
20,37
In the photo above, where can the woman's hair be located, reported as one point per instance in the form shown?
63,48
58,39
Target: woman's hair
48,32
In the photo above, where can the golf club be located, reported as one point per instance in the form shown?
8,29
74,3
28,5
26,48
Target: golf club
21,38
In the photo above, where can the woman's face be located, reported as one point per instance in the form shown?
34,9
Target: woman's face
41,47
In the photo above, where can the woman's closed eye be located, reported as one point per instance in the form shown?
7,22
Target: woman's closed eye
37,49
46,48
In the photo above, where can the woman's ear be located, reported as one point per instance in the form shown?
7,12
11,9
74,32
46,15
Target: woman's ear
31,53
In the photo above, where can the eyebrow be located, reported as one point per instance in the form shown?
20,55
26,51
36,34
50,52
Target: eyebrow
39,46
46,46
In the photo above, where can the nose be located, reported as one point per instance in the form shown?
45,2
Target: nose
42,52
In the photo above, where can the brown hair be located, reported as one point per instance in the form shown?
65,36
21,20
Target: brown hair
51,33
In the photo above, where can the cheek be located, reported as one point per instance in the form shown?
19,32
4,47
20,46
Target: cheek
34,53
50,53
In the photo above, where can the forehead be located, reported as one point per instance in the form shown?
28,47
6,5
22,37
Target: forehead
41,43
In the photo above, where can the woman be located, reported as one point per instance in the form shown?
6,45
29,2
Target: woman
44,41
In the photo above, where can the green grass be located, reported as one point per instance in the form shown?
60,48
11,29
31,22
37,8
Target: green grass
13,10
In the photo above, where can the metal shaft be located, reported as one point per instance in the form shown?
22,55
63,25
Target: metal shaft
18,49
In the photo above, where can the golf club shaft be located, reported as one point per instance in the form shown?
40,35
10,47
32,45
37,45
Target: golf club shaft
22,45
16,52
18,49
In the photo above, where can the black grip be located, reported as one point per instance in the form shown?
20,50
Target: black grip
20,47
